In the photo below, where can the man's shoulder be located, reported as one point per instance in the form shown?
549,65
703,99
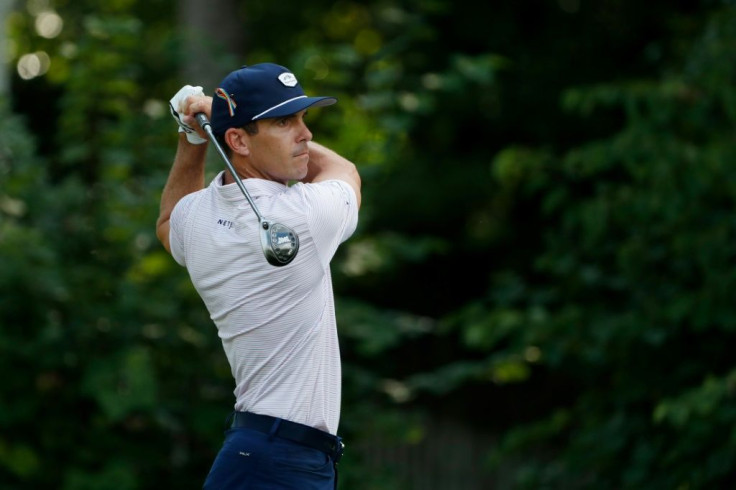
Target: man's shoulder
327,187
184,206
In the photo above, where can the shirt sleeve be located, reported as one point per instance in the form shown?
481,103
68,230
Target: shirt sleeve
177,229
332,214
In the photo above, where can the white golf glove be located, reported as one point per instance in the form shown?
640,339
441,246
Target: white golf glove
175,107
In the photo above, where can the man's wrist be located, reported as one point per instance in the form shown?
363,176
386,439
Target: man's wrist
193,137
187,145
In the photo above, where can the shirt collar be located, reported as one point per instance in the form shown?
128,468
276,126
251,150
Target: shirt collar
256,187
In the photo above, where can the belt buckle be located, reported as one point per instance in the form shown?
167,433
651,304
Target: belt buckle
339,449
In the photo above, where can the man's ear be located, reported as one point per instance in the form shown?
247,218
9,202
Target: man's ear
238,141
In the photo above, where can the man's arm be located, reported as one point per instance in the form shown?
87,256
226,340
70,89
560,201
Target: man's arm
187,172
186,176
325,164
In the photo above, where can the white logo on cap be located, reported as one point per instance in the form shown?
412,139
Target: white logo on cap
288,79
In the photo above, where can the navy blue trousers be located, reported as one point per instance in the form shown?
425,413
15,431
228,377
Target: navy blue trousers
251,460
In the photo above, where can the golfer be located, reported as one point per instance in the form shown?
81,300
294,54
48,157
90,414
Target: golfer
277,324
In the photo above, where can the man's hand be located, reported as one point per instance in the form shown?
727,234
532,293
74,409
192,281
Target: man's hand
180,107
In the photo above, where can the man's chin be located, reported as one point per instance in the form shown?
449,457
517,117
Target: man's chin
302,175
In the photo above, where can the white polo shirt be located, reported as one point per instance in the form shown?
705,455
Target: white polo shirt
277,324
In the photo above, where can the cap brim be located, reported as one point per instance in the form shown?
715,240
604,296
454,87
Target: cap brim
296,105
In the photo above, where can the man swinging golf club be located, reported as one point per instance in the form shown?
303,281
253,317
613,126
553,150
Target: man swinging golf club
275,314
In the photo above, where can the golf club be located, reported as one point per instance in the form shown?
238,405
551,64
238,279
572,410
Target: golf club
279,242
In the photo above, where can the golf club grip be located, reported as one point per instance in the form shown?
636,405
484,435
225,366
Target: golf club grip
202,120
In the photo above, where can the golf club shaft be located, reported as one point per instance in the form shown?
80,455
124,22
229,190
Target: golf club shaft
205,124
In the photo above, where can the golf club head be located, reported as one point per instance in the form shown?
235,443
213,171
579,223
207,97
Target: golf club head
280,243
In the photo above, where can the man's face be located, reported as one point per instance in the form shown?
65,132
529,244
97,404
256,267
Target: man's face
279,150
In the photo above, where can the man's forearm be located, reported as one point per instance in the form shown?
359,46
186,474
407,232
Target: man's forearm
186,176
321,160
325,164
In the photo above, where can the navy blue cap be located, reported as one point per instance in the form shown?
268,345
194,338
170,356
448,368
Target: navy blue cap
258,92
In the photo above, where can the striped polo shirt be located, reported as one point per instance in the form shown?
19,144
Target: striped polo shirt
277,324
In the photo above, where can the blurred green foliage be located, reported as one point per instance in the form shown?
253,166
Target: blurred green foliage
545,248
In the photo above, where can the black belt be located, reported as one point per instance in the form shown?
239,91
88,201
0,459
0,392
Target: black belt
292,431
